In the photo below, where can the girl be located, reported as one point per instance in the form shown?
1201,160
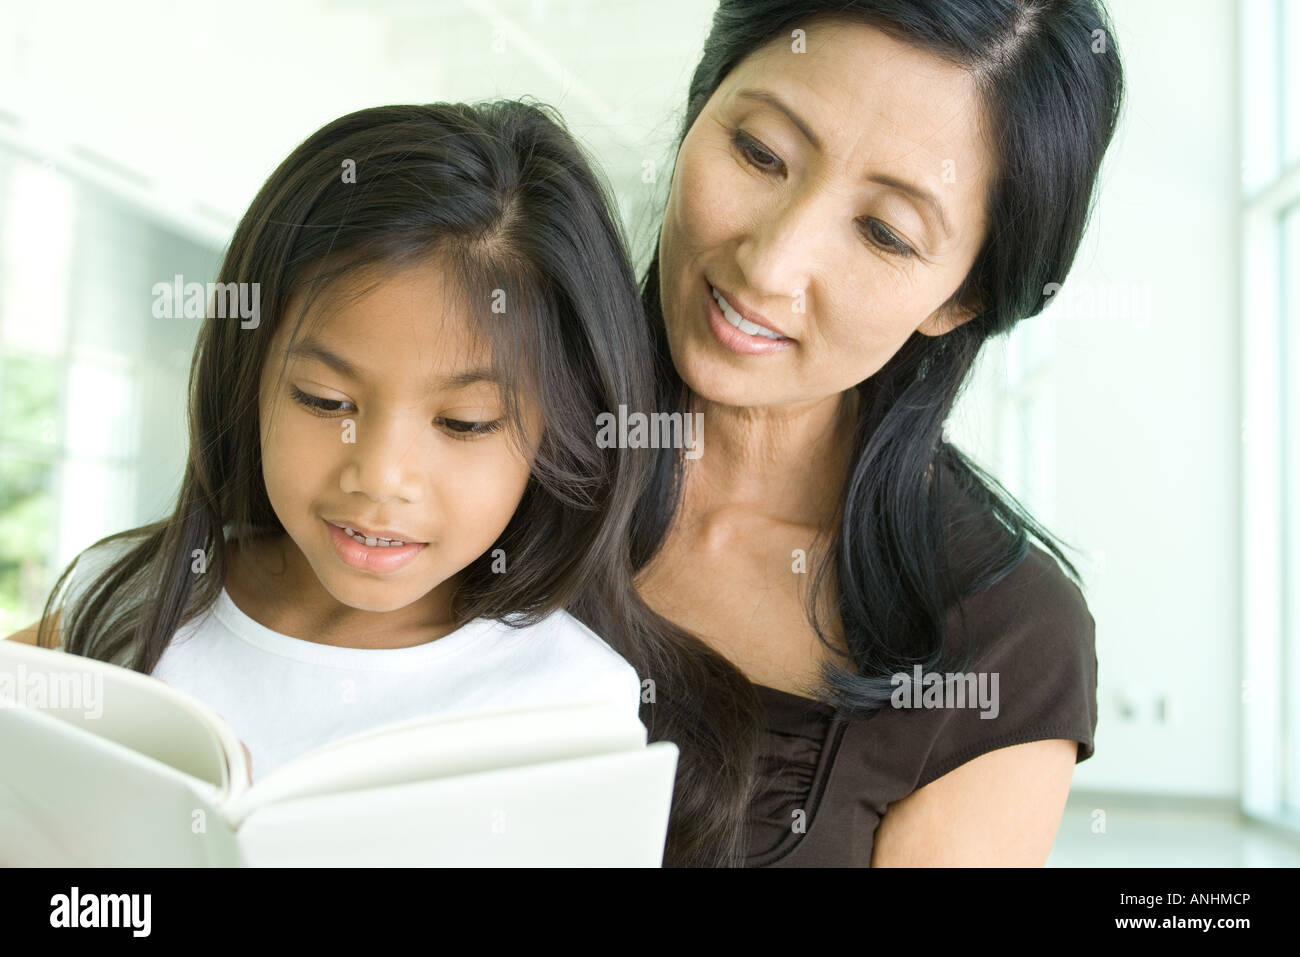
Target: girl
394,487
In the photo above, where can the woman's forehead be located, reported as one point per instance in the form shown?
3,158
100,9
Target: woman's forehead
854,80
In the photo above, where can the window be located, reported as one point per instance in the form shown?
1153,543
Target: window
1027,453
92,386
1270,190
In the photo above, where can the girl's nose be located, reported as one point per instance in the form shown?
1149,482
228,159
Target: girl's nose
382,461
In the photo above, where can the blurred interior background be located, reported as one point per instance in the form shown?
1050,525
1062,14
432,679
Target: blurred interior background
1150,416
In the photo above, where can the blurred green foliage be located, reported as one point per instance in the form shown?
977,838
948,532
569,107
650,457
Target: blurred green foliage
29,450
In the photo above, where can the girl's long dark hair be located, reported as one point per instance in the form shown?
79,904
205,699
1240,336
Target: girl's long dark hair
1051,83
500,196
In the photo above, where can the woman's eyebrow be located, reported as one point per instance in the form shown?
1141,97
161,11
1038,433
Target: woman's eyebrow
774,101
313,349
893,182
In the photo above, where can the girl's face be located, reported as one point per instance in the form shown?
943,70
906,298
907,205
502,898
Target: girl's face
788,198
388,420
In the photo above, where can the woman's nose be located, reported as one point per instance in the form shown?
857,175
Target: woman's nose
784,250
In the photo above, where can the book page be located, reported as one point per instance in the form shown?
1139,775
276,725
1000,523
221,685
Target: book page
448,745
70,798
601,810
120,705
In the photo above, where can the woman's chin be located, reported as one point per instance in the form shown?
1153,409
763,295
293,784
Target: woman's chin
726,387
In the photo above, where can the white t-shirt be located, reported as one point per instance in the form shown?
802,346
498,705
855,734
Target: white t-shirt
285,696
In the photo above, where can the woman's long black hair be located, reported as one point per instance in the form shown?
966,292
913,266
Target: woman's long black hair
1051,84
501,197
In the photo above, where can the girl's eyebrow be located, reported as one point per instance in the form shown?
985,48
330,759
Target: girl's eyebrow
313,349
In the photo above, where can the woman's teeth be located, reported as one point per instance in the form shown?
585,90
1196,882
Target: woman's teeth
373,542
740,322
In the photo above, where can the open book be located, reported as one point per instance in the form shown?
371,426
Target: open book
103,766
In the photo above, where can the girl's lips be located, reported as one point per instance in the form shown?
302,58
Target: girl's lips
381,559
385,533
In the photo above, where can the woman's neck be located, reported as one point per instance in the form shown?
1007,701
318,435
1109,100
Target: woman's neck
788,462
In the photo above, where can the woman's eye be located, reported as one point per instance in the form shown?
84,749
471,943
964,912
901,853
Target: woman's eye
886,239
470,428
316,403
756,155
767,162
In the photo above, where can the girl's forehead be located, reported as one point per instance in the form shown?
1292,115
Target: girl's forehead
411,304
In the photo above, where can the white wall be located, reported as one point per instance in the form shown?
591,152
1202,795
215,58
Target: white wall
1147,423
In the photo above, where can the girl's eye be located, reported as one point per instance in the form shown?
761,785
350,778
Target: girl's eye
458,427
885,238
767,162
470,429
758,157
318,405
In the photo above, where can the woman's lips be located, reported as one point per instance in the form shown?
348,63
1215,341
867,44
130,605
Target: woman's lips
759,324
732,338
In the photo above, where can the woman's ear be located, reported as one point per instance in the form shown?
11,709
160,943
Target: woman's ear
947,318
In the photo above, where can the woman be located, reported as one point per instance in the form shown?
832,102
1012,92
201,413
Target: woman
865,193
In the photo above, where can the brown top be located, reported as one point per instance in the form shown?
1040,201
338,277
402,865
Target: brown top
1032,629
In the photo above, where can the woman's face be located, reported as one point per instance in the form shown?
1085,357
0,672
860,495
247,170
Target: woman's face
820,241
396,433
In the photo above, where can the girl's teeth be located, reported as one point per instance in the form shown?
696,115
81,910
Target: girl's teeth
373,542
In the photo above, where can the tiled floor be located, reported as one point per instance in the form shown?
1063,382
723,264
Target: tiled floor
1145,834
